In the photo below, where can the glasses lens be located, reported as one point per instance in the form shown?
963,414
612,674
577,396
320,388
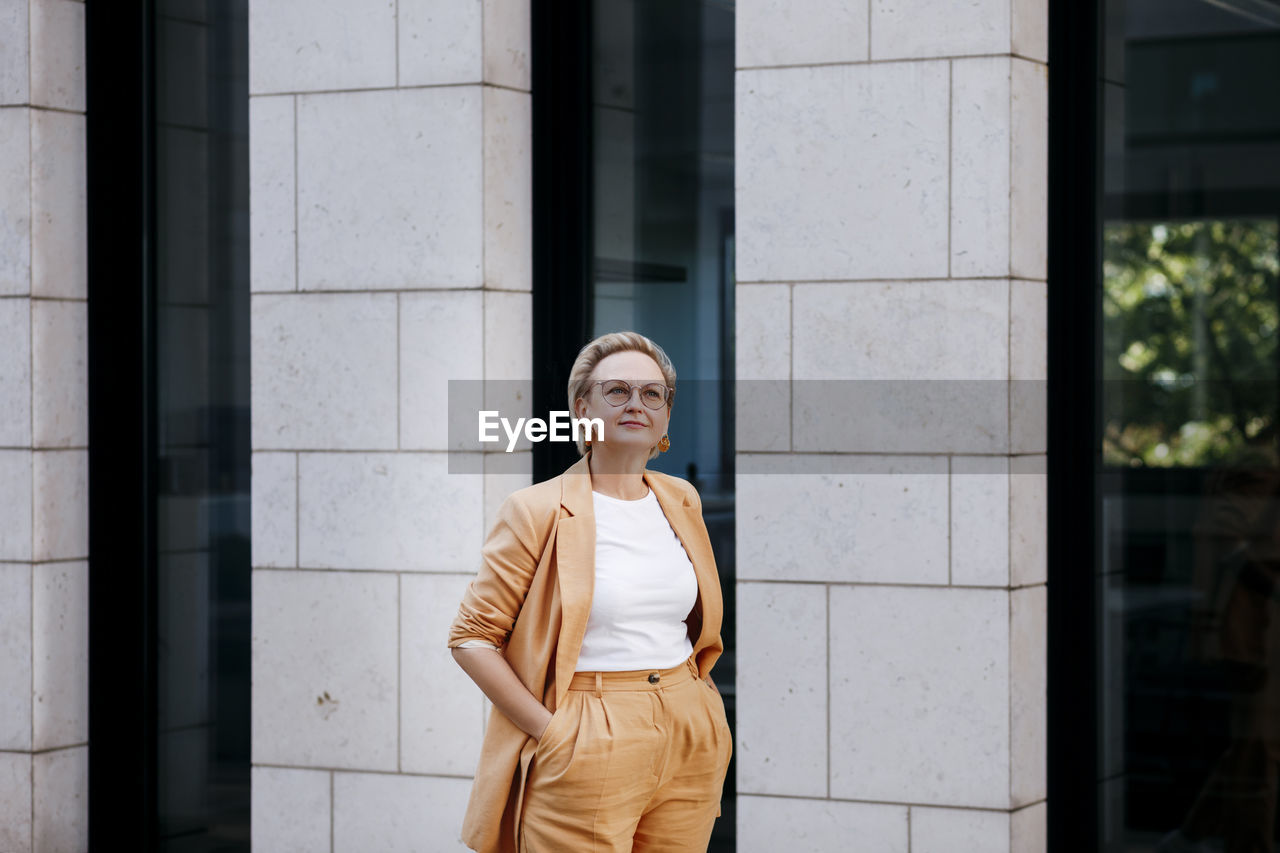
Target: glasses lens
654,395
616,392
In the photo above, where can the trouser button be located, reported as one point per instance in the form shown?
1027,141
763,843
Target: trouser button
653,678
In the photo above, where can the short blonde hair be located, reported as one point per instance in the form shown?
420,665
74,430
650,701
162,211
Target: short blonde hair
603,347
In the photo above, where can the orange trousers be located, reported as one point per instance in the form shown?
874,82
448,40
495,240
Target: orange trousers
630,761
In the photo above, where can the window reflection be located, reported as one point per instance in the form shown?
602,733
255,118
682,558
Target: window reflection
1189,666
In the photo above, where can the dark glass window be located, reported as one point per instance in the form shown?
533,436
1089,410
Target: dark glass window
1188,485
634,229
169,425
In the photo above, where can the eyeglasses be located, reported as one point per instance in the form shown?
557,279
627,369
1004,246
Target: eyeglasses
617,392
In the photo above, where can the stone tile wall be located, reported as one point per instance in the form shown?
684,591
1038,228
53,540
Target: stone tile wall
391,252
891,174
44,429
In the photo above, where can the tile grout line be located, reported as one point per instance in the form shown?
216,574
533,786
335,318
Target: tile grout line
297,510
297,278
951,156
399,671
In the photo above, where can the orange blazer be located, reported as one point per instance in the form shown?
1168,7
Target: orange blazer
531,598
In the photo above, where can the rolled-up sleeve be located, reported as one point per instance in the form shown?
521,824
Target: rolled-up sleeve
493,599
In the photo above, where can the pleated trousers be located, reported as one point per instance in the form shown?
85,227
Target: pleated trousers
630,761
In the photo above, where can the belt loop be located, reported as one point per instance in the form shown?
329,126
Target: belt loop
599,685
693,667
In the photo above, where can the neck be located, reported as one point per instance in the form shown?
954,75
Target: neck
618,477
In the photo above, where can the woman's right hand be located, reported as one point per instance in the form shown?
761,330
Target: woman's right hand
490,671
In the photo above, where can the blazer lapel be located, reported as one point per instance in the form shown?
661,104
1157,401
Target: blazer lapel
683,516
575,568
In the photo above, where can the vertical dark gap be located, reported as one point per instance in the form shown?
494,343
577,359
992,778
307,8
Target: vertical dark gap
120,153
560,59
1074,257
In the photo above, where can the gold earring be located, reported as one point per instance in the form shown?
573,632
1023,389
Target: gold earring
664,443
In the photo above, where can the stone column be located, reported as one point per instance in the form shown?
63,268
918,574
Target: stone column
391,228
44,429
891,175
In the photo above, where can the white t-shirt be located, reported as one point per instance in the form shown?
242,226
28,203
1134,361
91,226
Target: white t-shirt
645,587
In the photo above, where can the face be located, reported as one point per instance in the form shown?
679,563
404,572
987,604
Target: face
632,425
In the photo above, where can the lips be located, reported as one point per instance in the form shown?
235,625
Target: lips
631,423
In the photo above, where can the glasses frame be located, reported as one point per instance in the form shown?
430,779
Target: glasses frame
671,393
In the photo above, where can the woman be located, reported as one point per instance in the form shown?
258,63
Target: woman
592,626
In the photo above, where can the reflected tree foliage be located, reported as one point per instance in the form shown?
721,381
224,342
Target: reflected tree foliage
1189,341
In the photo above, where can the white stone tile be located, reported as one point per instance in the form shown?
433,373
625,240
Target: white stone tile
441,339
1029,167
441,713
504,474
15,196
842,172
959,831
1028,366
60,372
60,792
781,734
914,29
777,32
1030,29
508,336
15,372
1028,330
15,80
309,45
1029,832
440,41
59,209
902,415
394,511
392,813
275,509
507,43
324,371
770,824
762,331
980,521
883,523
324,669
273,246
901,330
15,665
763,414
60,654
60,490
1028,521
508,360
15,802
290,810
1028,698
508,188
57,54
400,208
15,505
184,655
980,166
933,728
